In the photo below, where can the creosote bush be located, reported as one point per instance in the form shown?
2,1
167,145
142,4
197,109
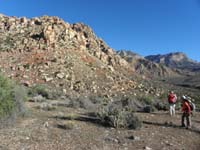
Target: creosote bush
38,90
118,117
148,100
149,108
45,91
161,106
11,100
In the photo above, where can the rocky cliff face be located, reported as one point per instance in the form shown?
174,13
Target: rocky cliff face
175,60
146,67
70,57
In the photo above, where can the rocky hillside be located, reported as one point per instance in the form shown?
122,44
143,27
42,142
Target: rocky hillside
69,57
146,67
175,60
72,59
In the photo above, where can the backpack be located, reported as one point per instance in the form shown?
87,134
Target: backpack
171,98
192,106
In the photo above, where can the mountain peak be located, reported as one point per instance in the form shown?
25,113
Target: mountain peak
177,56
145,67
175,60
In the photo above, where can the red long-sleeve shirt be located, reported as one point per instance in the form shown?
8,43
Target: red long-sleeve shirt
186,107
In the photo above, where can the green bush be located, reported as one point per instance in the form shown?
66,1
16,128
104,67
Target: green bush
38,90
11,100
116,116
163,96
146,99
6,97
149,108
161,106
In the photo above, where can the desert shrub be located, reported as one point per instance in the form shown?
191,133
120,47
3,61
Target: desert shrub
74,103
66,126
116,116
163,96
54,94
87,104
146,99
95,99
11,100
46,106
38,98
161,106
7,43
149,108
82,102
6,97
39,90
130,103
45,91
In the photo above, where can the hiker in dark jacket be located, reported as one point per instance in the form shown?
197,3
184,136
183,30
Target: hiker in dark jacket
172,102
186,112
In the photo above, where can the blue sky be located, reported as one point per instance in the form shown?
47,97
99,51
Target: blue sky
144,26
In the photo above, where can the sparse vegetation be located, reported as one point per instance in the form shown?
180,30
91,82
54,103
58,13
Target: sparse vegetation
69,125
11,100
38,90
148,100
46,106
163,96
6,43
115,116
161,106
149,108
45,91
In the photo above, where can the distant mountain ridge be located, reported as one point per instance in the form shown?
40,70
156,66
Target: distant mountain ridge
144,66
177,60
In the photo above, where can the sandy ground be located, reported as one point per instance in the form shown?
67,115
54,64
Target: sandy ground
70,129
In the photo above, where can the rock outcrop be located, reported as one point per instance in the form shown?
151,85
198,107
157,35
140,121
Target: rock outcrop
70,57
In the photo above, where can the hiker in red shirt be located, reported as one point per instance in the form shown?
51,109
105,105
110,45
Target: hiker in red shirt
172,102
186,112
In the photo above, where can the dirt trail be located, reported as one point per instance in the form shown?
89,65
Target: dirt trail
60,129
